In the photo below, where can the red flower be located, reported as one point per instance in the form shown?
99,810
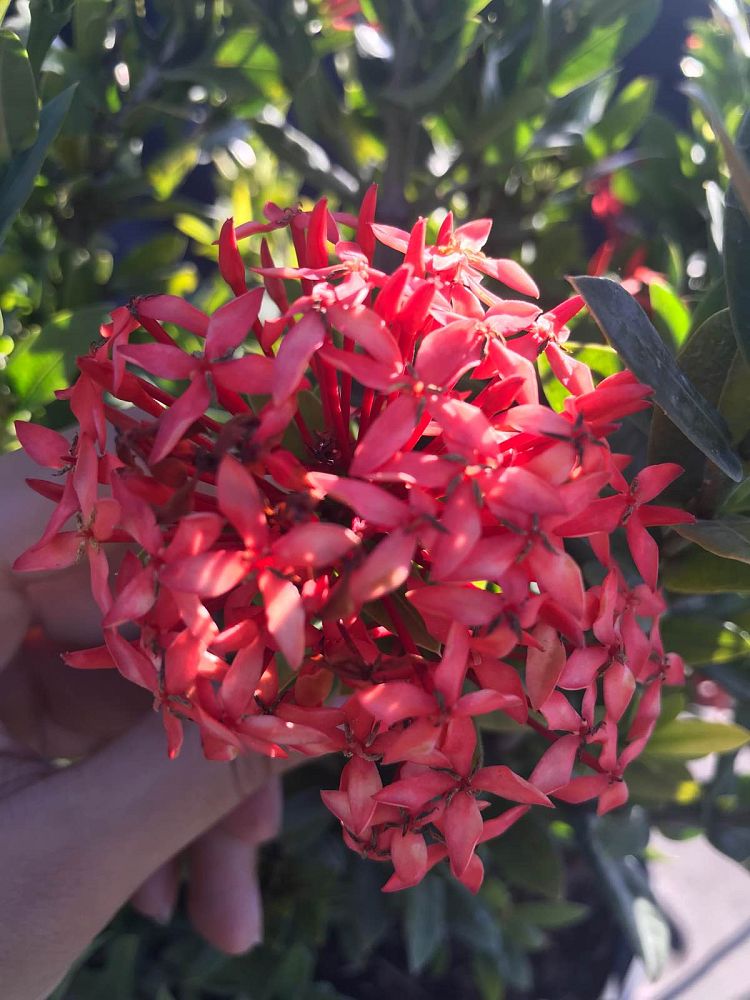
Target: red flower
347,531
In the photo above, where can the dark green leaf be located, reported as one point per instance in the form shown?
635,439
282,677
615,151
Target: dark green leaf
473,923
19,106
642,922
630,332
19,175
706,358
424,922
553,914
527,857
696,571
729,537
48,18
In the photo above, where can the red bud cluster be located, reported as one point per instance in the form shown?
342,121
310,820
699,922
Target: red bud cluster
346,517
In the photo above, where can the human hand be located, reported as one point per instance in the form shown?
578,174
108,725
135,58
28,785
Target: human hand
77,841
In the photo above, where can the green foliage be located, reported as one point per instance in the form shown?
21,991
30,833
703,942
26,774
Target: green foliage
628,329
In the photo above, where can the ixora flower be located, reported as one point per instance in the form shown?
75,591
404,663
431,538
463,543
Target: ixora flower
346,520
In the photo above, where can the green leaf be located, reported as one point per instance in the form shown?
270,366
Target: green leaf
687,739
595,55
628,329
733,400
19,175
474,924
701,639
4,4
738,166
736,252
19,105
294,974
623,118
729,537
671,310
424,922
738,501
706,359
696,571
45,360
553,914
642,922
422,93
526,857
90,18
48,18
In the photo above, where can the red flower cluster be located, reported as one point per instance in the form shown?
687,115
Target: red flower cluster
346,518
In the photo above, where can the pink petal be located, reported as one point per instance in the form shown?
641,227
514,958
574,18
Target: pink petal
466,604
462,528
409,856
397,700
314,544
231,323
134,665
385,435
241,503
556,764
360,779
209,574
375,505
60,552
385,569
462,826
619,687
195,533
644,550
45,446
297,347
366,328
450,673
253,374
500,780
242,678
162,360
414,793
175,421
285,616
173,309
544,666
448,353
135,599
510,273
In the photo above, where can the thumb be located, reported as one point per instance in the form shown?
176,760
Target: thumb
77,844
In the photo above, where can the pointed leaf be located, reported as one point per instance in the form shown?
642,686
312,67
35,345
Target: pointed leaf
630,332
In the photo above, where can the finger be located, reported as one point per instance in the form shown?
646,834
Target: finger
157,896
15,617
258,818
224,900
83,840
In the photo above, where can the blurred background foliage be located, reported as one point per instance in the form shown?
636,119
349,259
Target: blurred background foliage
130,129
